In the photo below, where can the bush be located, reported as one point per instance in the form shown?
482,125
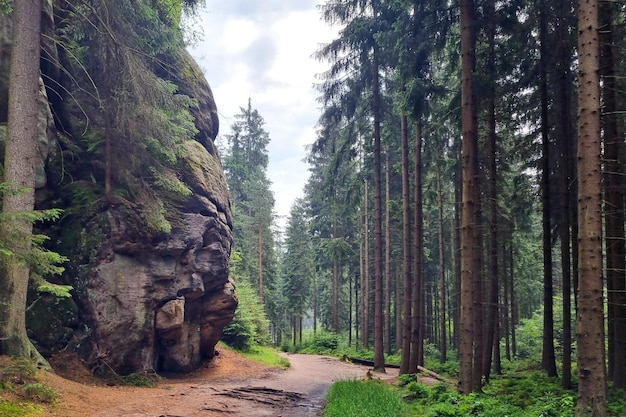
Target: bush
39,392
250,326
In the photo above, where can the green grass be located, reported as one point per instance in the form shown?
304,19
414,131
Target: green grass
10,409
265,355
364,399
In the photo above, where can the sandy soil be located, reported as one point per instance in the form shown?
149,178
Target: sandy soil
230,385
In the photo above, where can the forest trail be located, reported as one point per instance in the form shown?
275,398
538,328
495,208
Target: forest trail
230,385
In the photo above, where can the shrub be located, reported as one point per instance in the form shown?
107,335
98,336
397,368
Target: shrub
39,392
249,326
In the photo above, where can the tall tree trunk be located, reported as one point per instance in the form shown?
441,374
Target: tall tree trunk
456,249
548,359
514,312
592,389
613,209
470,218
505,290
397,309
366,281
492,157
260,238
350,310
387,310
565,145
379,355
335,295
314,304
406,245
418,296
470,351
443,340
20,158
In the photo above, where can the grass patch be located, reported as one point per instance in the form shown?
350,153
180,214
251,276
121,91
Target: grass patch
364,399
21,395
265,355
12,409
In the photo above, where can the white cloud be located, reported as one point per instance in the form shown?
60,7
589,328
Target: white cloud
263,50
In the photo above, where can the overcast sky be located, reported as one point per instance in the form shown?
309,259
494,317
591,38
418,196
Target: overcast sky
263,50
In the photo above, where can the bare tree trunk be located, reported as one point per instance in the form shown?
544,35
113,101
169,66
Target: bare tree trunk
443,340
366,280
314,304
492,157
506,284
548,359
335,296
565,146
379,355
19,176
470,219
613,209
406,240
592,388
418,296
260,262
387,309
514,312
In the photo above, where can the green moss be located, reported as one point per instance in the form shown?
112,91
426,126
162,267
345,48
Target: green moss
204,168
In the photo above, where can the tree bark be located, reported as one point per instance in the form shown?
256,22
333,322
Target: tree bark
470,219
493,283
366,279
548,358
406,240
387,309
19,175
418,296
613,209
379,356
565,236
592,389
443,339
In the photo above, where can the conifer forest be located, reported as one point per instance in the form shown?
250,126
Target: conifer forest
465,202
467,176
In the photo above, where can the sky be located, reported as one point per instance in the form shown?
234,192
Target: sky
262,50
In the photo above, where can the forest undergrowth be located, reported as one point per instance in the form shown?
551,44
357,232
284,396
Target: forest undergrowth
521,390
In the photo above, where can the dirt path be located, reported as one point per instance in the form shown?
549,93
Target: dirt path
230,386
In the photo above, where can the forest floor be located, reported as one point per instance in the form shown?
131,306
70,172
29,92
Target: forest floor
229,385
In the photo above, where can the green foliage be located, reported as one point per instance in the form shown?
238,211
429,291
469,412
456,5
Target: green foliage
6,6
141,379
42,262
40,393
617,402
267,356
18,375
417,390
522,395
9,409
17,371
364,399
60,291
249,327
405,379
325,343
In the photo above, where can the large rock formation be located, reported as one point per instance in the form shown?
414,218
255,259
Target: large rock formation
148,298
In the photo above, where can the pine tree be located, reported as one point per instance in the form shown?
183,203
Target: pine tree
19,175
592,394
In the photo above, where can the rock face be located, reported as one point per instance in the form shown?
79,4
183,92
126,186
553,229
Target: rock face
154,302
143,299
